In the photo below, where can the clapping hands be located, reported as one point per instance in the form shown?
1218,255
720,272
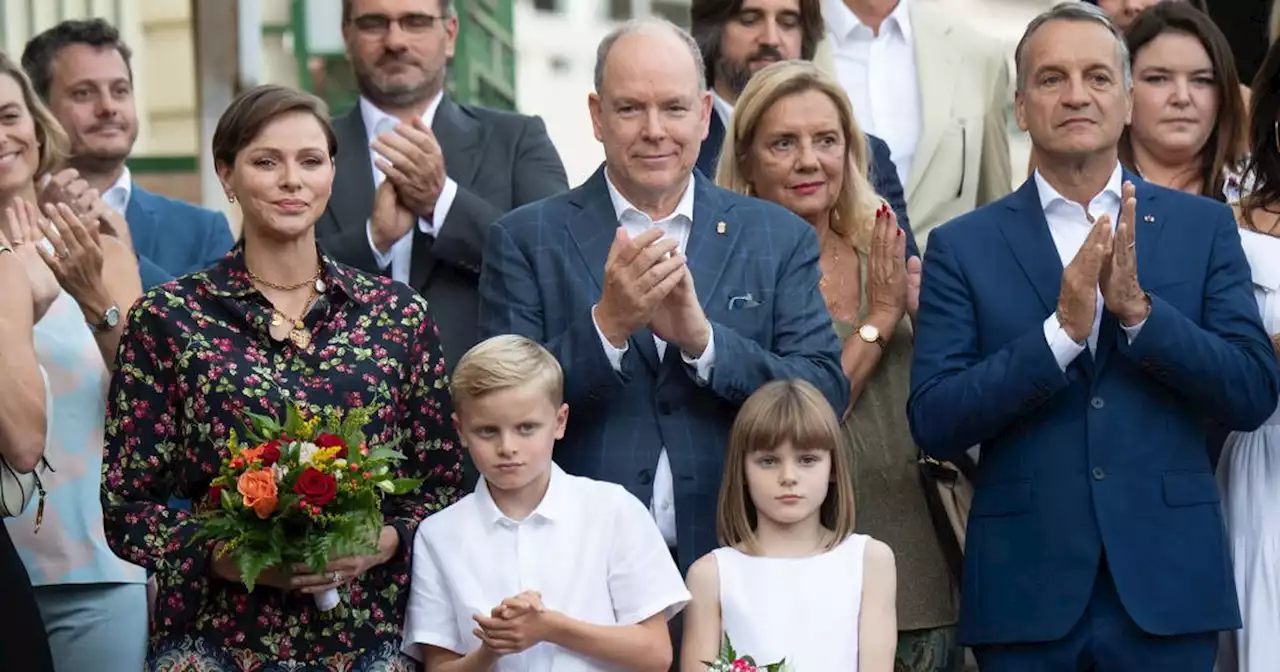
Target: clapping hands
515,625
1108,262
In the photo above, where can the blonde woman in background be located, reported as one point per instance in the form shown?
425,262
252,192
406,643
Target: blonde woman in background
794,141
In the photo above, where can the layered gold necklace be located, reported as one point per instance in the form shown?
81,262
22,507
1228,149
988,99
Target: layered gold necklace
298,335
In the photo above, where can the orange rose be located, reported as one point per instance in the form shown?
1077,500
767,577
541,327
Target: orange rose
259,491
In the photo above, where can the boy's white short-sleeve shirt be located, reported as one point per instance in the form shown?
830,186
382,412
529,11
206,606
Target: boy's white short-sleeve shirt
590,548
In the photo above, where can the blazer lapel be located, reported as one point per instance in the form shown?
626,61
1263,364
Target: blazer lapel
352,199
936,64
593,229
1146,238
710,245
1027,233
460,137
142,223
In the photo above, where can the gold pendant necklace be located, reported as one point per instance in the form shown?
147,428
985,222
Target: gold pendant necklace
298,335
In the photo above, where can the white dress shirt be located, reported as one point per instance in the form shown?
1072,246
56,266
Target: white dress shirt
878,71
677,226
722,107
589,548
118,195
400,256
1069,224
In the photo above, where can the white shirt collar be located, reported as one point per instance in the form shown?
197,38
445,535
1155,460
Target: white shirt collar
372,115
842,22
1050,196
118,195
723,107
555,504
621,206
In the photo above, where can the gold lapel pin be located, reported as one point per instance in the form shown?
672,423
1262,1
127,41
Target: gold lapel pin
720,226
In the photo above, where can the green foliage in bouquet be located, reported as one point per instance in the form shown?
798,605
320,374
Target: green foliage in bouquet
301,491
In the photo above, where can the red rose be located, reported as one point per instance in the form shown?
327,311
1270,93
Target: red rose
215,495
316,488
270,453
330,441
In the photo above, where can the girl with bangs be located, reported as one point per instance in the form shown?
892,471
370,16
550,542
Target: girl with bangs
791,581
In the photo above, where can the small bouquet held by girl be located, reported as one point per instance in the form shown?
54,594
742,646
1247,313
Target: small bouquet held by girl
731,661
304,491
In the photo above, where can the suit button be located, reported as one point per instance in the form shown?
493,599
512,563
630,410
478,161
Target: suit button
664,408
646,477
1097,402
1099,474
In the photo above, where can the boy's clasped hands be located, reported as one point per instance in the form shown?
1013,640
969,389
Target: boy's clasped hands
520,622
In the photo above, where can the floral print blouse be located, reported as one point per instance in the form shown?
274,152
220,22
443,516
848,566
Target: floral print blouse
196,352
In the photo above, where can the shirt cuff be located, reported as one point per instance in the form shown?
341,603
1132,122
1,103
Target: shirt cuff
1064,349
703,363
444,202
614,354
1132,332
383,259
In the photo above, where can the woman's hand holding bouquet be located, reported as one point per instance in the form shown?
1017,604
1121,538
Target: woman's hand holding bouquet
297,506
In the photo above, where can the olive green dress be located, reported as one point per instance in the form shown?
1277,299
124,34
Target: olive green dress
891,504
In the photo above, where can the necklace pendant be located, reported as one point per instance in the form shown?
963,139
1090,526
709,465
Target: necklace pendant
300,338
320,287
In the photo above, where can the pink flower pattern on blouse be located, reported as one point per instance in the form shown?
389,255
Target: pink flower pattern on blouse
195,352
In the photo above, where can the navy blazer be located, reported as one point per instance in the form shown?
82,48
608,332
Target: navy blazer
173,238
1109,457
884,175
758,283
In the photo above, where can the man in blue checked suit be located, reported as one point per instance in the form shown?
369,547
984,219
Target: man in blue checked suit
667,300
1079,330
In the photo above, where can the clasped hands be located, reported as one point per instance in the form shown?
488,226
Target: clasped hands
1106,261
411,159
647,282
520,622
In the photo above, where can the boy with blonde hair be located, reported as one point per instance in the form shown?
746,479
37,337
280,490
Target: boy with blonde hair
536,569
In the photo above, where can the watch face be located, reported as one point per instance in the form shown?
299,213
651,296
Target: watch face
869,333
112,317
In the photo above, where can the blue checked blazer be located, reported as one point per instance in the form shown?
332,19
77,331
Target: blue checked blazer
758,284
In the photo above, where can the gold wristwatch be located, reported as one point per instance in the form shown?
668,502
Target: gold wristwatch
871,334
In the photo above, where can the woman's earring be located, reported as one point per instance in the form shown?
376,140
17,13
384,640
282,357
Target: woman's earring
231,198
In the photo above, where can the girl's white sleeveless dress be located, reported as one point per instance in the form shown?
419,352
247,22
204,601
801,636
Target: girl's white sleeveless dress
802,609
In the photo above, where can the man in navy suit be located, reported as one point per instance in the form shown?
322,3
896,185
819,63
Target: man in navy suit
82,72
666,299
739,37
1095,539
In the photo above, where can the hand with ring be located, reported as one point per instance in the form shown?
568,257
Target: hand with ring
22,231
73,252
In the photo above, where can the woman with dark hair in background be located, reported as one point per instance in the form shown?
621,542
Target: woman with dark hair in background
1249,471
1189,119
1125,12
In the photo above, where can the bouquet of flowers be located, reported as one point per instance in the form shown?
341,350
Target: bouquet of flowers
729,661
304,491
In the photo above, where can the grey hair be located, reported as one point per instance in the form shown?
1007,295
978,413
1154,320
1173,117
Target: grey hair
641,25
1073,11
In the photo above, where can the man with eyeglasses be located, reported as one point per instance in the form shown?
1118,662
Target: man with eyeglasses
420,176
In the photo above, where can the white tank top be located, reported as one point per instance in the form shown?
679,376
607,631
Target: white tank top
802,609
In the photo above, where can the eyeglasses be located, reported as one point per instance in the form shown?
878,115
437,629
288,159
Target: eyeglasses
380,24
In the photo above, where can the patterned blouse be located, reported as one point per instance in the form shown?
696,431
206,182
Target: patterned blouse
197,351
